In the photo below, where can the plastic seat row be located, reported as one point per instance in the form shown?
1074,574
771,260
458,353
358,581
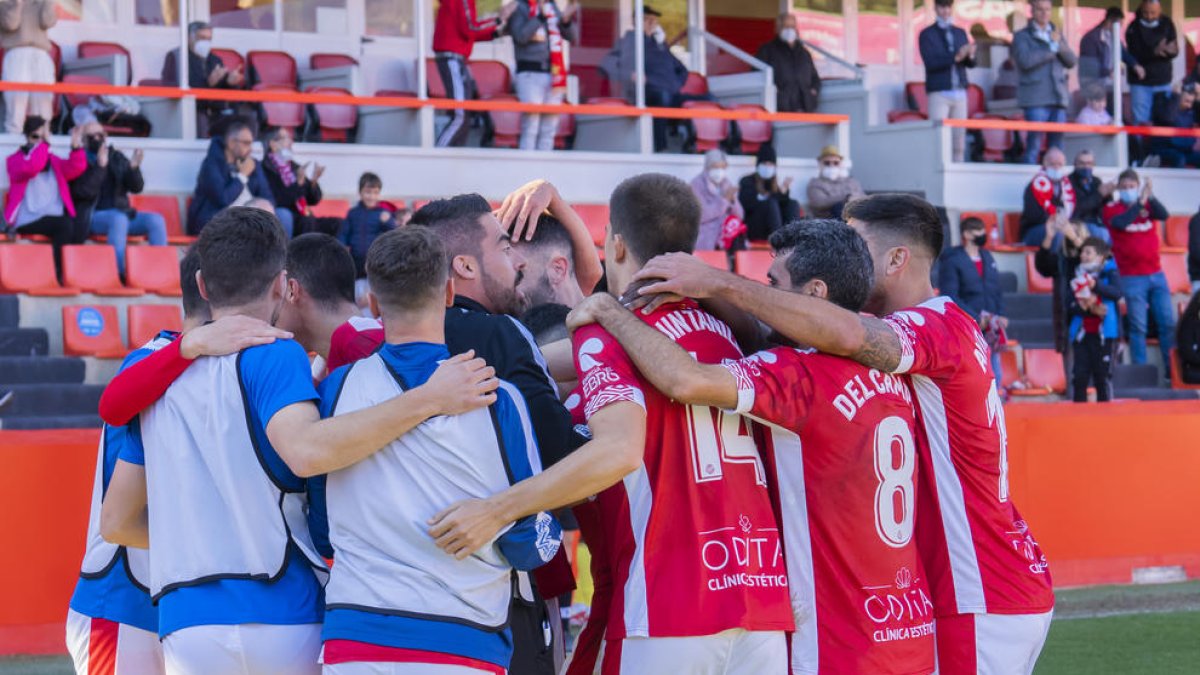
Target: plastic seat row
1042,374
1007,233
89,268
1174,264
95,330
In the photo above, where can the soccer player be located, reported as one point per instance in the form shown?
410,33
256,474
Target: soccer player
843,460
235,573
700,582
990,581
396,603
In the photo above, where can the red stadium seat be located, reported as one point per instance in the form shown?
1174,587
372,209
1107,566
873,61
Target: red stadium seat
281,114
320,61
1012,229
1176,376
695,85
396,92
272,68
506,125
595,216
329,208
753,264
754,132
1009,372
29,269
895,116
492,78
92,330
1044,370
918,100
231,59
996,142
88,50
710,132
592,82
608,100
93,269
166,206
718,259
565,133
989,222
976,100
154,269
433,80
335,121
143,322
1177,231
1037,282
1174,265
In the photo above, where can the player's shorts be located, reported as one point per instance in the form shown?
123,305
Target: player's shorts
990,644
245,649
364,668
103,647
732,652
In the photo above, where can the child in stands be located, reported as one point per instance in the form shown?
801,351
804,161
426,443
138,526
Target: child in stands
1095,322
367,220
1096,110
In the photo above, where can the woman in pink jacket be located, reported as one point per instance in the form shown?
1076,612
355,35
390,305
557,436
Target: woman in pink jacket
39,199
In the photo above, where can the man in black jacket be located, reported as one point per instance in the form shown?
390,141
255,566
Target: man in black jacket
1153,43
1090,194
205,71
797,83
947,53
1194,252
968,275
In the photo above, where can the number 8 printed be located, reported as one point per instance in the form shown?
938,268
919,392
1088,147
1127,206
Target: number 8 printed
894,434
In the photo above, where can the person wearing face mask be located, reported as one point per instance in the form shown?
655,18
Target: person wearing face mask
1042,57
230,176
1056,258
1177,111
1049,193
766,200
1154,44
947,53
294,187
797,82
718,200
968,275
1095,321
205,71
833,187
1090,194
1135,247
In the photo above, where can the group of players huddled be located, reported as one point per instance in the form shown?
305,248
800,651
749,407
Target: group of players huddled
806,477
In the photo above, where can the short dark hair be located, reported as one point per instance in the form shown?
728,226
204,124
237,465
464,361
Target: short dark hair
236,125
323,266
1102,247
551,234
655,214
904,218
1114,13
1129,173
971,223
547,322
32,124
944,3
369,179
407,268
829,250
242,251
194,304
456,222
197,26
1094,92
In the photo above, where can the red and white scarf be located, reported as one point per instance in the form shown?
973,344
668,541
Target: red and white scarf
1043,192
554,38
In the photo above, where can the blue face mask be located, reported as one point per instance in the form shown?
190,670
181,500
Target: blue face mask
1084,174
1129,196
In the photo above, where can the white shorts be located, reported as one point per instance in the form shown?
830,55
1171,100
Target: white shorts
364,668
990,644
246,649
732,652
103,647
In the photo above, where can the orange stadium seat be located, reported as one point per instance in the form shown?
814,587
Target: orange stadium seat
92,330
93,269
1176,376
230,58
1177,231
695,85
145,321
329,208
335,121
320,61
710,133
996,142
492,78
595,216
1009,372
166,206
272,68
918,100
29,269
1174,265
87,50
506,125
1037,282
718,259
753,264
154,269
754,132
1012,229
1044,370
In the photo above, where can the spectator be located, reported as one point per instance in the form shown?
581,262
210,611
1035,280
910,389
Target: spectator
1095,111
39,199
947,53
1057,257
1043,58
797,82
665,75
456,29
85,188
365,221
1095,54
294,188
1135,246
205,71
27,58
833,186
1189,342
539,31
718,198
1153,45
767,203
1194,252
1177,111
1090,194
1095,321
968,275
229,176
1050,192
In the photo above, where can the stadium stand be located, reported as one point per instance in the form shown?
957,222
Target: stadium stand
272,68
154,269
29,268
321,61
93,269
753,264
92,330
144,322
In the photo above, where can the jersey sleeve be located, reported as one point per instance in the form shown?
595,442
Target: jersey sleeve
606,373
141,383
929,344
774,386
275,376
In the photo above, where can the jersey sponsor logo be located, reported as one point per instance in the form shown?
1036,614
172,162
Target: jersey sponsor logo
743,556
590,348
900,609
1023,542
547,544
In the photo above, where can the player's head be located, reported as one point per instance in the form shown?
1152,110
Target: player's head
549,265
195,307
824,258
481,258
320,288
242,254
904,235
409,275
649,215
547,323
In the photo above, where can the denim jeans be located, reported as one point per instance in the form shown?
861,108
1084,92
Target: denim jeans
1143,294
1033,142
117,226
286,219
1141,100
537,131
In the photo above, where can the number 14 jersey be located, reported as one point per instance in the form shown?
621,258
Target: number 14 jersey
694,544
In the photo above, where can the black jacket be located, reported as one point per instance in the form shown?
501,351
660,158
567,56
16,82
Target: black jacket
939,57
1060,267
1032,213
198,70
1188,344
797,83
958,278
510,349
1141,41
287,196
1194,248
1088,200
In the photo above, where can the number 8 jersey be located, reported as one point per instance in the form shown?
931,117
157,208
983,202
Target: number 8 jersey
843,457
693,541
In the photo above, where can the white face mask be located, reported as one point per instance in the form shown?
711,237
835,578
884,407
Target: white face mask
284,155
788,35
202,48
659,35
831,172
716,176
766,171
1149,24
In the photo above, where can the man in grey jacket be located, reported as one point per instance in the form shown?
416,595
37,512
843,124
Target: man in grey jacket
1043,59
539,31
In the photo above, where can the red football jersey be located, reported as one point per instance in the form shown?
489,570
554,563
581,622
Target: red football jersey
980,554
356,339
843,456
694,542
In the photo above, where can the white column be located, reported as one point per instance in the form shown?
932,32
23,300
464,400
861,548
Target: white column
187,105
426,115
